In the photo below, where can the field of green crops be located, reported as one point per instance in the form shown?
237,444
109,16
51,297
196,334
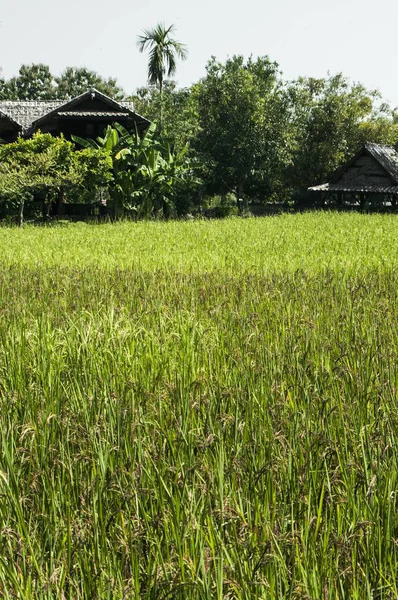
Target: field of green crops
200,410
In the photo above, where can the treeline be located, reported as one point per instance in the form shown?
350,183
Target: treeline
264,138
242,132
36,82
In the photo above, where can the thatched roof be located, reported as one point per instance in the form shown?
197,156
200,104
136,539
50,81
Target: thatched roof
28,115
374,170
387,157
24,113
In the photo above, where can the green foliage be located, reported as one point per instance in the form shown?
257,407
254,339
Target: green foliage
243,116
147,172
180,126
220,206
200,410
163,52
253,134
94,168
380,128
241,129
36,82
44,167
262,138
180,112
74,81
41,165
331,120
2,86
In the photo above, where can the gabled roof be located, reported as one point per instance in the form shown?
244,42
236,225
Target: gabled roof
92,93
385,156
28,115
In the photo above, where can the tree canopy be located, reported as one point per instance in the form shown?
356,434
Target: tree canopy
74,81
36,82
331,119
42,166
241,129
180,114
33,82
243,125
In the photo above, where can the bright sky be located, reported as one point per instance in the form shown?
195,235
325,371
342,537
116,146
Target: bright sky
306,37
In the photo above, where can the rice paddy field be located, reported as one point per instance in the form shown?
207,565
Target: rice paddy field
200,410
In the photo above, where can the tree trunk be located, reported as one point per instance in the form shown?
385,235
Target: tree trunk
21,207
60,206
161,105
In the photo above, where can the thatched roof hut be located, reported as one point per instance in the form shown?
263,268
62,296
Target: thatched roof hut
371,175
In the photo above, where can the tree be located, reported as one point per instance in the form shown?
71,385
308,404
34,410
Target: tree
75,81
94,170
33,82
43,167
163,54
380,128
3,90
331,120
244,126
180,114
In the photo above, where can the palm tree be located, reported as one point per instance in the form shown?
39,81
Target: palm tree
163,54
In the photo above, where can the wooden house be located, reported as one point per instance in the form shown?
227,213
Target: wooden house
369,178
86,116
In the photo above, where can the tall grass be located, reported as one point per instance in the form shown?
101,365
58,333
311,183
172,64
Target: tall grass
200,410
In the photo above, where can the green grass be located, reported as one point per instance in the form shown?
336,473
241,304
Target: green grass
200,410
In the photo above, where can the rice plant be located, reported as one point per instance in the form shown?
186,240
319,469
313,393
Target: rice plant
200,410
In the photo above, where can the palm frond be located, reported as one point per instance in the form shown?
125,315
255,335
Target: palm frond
84,143
181,50
170,60
163,52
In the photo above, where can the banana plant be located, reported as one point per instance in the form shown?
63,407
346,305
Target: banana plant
125,150
146,171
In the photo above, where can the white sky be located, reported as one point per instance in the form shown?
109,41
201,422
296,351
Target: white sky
306,37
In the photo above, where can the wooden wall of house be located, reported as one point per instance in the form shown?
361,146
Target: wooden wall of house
365,171
8,131
95,104
85,127
82,127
